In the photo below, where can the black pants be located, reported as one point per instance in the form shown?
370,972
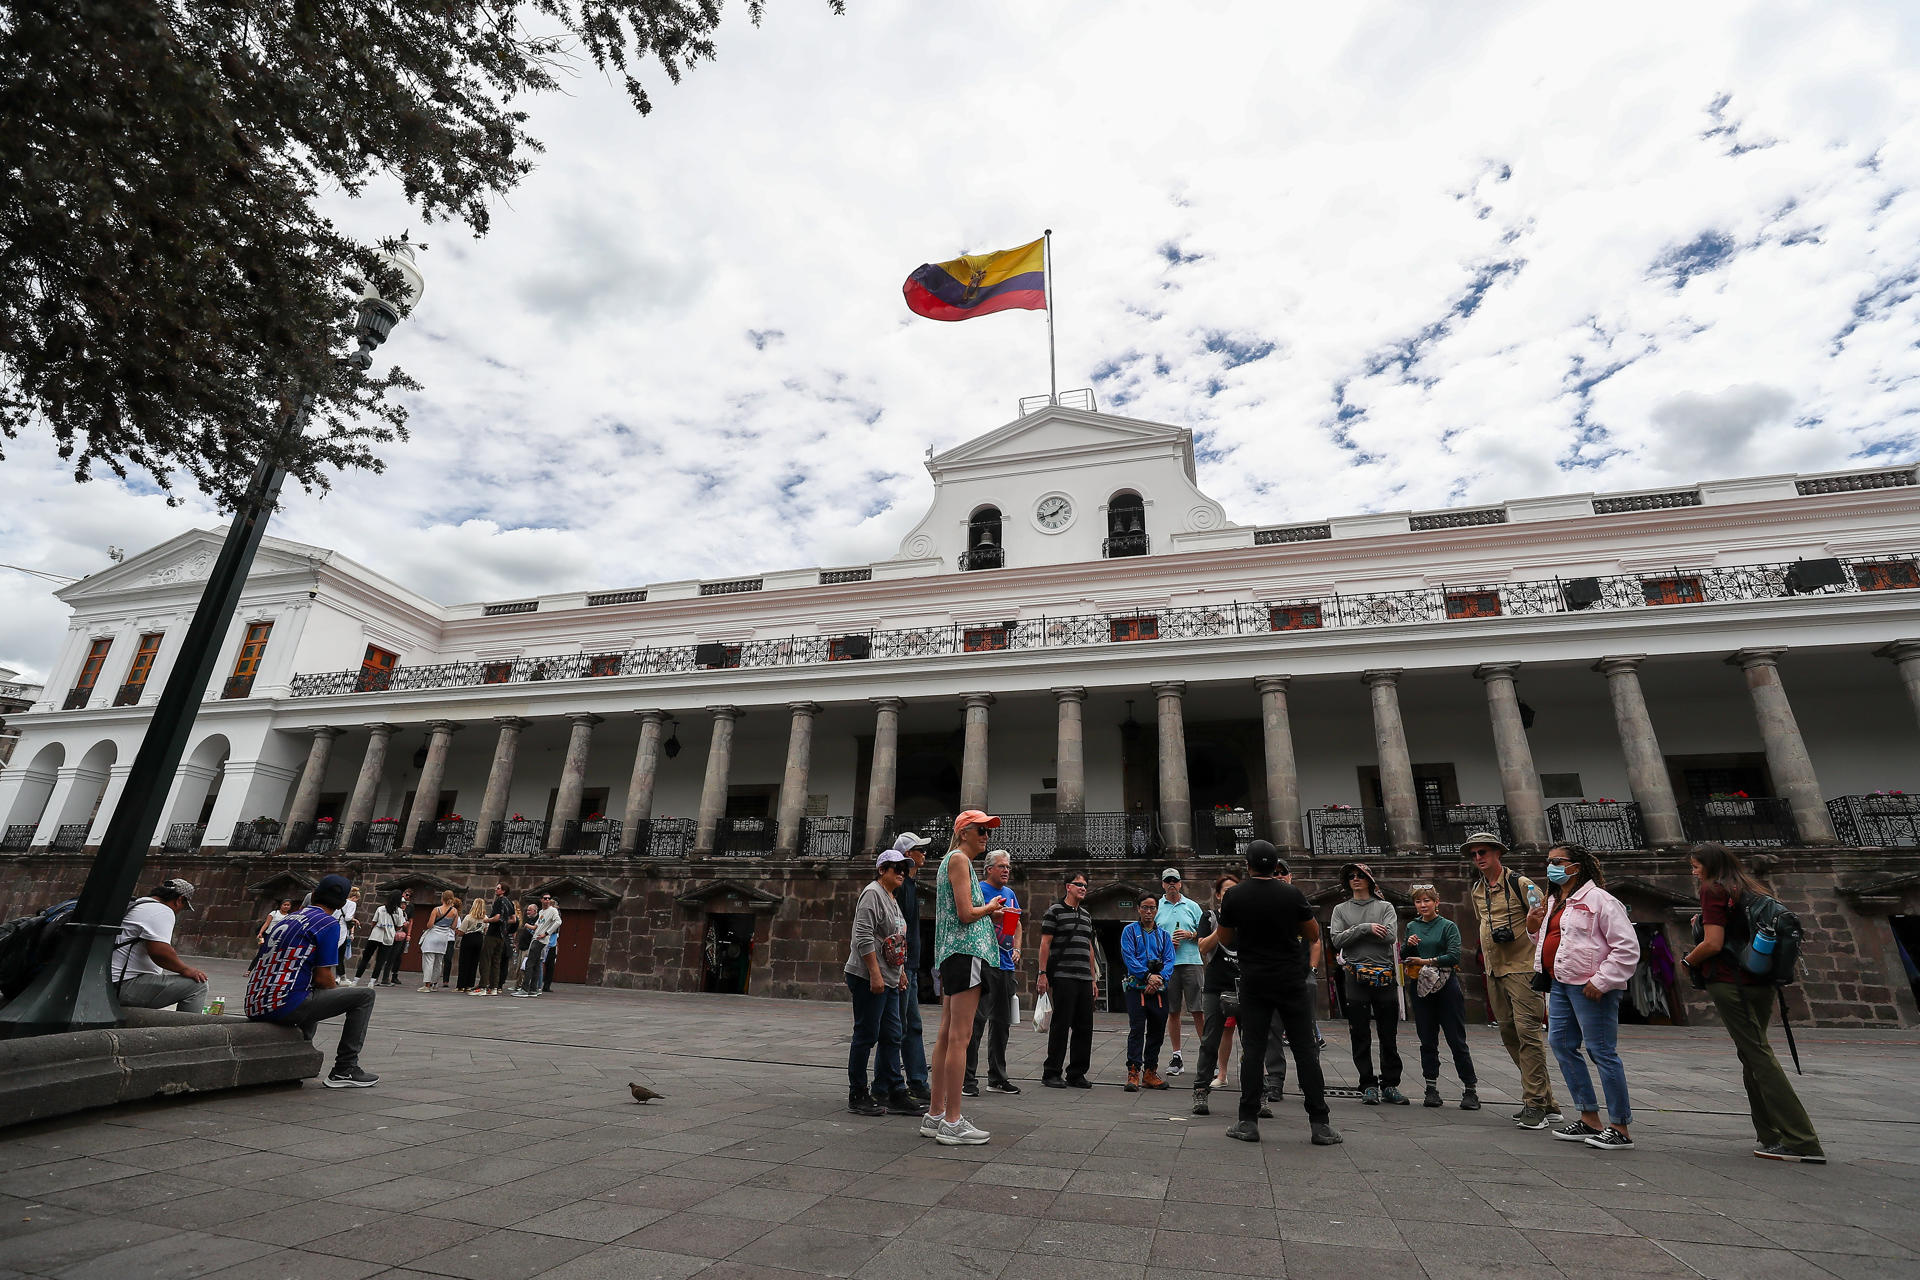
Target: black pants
389,965
469,959
371,955
1260,1005
993,1017
1072,1016
1369,1008
1146,1024
1213,1030
1444,1010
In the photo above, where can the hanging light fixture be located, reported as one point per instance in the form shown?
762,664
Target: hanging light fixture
672,744
1130,728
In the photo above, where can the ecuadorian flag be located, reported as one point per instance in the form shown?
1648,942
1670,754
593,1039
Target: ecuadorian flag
980,284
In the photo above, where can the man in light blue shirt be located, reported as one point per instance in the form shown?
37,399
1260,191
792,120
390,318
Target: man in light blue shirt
1180,916
994,1015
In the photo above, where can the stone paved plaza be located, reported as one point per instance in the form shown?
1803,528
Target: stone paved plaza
502,1142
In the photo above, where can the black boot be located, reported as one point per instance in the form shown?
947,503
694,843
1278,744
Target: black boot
861,1103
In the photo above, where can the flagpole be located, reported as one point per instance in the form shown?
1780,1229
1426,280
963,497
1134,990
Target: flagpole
1053,374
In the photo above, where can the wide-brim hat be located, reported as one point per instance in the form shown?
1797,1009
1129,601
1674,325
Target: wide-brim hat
1479,838
1352,869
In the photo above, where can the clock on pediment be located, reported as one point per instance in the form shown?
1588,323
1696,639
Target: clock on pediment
1053,512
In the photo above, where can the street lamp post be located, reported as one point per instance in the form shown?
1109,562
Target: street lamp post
73,992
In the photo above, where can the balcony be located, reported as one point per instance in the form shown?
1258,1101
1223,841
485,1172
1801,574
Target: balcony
743,837
1105,837
1126,544
17,838
69,838
1740,821
1885,821
129,694
1491,603
77,698
987,557
261,835
382,835
599,836
183,837
237,687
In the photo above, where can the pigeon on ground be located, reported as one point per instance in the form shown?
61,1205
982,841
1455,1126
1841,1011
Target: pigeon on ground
643,1094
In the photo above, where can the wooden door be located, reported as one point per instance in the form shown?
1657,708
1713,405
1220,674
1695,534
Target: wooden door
576,945
410,962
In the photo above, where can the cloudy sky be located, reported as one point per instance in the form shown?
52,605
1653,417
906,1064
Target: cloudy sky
1378,256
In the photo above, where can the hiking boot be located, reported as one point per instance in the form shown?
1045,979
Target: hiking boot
1433,1098
1200,1107
1133,1079
1611,1139
1325,1135
1390,1094
970,1089
862,1103
1780,1151
1470,1101
1533,1118
902,1103
1079,1082
1266,1111
920,1092
1370,1095
1151,1080
350,1078
1577,1130
1175,1065
1275,1092
1244,1131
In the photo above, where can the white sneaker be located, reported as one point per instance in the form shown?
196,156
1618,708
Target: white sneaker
961,1133
929,1125
1174,1065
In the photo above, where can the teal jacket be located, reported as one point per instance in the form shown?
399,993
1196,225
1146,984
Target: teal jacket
1438,942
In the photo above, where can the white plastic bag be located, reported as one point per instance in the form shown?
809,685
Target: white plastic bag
1042,1011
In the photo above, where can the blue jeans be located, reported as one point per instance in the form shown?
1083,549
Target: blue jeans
876,1021
1146,1024
913,1050
1575,1022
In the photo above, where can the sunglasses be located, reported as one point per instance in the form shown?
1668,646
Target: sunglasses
1078,884
979,828
1560,862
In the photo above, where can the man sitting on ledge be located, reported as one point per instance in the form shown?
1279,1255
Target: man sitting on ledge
147,972
292,981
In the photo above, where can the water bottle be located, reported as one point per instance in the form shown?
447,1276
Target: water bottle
1759,957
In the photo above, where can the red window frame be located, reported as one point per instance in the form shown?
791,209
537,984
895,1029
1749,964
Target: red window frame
1682,588
376,670
1887,575
604,664
496,673
983,639
1144,627
1294,617
1473,604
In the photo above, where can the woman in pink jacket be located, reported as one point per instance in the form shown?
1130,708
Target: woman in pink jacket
1585,944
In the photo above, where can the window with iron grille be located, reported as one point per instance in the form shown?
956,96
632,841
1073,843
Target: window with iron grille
518,606
1294,617
96,658
604,598
981,639
376,670
1887,575
496,673
733,588
849,648
1679,589
605,664
1473,604
1144,627
718,657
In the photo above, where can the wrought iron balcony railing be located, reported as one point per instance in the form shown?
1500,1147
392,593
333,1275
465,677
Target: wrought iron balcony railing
69,838
18,838
129,694
1126,544
988,557
1746,821
1604,826
183,837
1461,604
238,687
1886,821
77,698
254,837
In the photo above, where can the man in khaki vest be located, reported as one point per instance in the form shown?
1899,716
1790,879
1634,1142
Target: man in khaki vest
1501,899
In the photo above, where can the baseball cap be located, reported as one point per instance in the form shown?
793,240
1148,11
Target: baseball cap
1481,837
1262,857
178,888
908,840
1171,873
888,856
331,892
972,816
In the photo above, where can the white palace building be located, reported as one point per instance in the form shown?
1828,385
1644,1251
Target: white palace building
1074,636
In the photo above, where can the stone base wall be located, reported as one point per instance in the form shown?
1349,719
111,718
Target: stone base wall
650,918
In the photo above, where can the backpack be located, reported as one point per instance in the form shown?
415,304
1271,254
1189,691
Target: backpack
1764,913
27,945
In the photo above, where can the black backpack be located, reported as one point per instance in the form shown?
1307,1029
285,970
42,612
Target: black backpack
1767,913
27,945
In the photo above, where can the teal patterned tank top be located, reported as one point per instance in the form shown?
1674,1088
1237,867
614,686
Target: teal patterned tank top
950,937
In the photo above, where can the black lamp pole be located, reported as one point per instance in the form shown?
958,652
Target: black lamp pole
73,993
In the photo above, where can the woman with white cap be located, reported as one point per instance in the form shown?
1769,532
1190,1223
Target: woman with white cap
876,971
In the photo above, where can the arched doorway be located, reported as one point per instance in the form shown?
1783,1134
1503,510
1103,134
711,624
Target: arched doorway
30,802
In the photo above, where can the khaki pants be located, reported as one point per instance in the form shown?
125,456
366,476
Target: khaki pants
1518,1008
1778,1116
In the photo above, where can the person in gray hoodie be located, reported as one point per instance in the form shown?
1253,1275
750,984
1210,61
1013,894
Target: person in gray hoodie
1365,927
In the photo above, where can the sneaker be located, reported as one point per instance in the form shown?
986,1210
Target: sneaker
1393,1095
1470,1101
1779,1151
1079,1082
961,1133
1150,1079
1200,1105
930,1126
1002,1086
1534,1118
476,993
1577,1131
864,1104
1219,1082
428,987
1266,1111
1052,1082
1133,1079
1175,1065
1276,1092
901,1103
920,1092
351,1078
1611,1139
1325,1135
1370,1095
1244,1131
1433,1098
970,1089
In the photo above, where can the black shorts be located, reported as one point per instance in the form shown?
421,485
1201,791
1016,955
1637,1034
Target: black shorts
961,973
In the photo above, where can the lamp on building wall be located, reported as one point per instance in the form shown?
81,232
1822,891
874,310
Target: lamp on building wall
672,745
72,993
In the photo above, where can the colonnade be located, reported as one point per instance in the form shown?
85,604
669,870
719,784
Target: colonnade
1646,770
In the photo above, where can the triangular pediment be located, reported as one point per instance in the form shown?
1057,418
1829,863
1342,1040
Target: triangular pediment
187,559
729,895
288,884
1058,434
1120,895
576,889
416,881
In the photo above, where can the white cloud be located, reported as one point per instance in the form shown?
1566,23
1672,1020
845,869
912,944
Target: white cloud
1381,255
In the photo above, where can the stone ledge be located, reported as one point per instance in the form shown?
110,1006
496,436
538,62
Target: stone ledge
155,1054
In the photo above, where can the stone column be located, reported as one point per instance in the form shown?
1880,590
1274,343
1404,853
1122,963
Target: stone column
1646,767
306,796
1070,752
1519,783
1397,791
493,804
1787,757
793,783
426,793
372,765
884,776
573,778
973,759
646,768
1905,656
1176,798
66,779
1283,774
713,791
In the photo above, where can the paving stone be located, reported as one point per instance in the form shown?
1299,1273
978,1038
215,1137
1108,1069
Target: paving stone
617,1262
813,1250
697,1234
179,1254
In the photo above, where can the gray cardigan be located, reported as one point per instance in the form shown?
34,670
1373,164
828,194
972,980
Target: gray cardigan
876,917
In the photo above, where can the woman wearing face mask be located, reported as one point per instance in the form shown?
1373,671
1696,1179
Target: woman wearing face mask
1431,956
1586,950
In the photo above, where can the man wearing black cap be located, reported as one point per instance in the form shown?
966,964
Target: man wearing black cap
1270,925
292,981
